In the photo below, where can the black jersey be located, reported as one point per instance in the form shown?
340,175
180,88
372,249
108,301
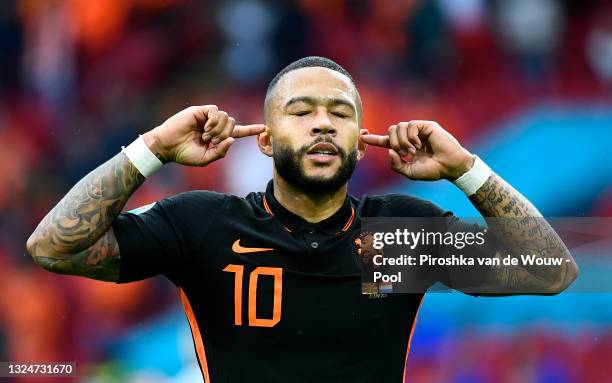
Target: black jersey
270,297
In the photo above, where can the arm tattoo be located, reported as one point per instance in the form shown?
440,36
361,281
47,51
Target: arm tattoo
100,261
520,229
76,236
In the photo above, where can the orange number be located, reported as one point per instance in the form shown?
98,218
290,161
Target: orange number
277,273
239,270
278,296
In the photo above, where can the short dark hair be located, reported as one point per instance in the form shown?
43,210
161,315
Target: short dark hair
308,62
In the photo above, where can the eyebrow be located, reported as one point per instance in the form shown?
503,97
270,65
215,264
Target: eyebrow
313,100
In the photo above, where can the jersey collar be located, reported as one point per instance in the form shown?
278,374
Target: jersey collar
338,223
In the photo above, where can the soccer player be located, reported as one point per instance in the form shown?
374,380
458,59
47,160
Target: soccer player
271,283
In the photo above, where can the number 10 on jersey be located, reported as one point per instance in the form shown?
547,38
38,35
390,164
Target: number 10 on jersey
275,272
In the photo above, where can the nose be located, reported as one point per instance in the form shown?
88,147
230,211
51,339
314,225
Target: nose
322,126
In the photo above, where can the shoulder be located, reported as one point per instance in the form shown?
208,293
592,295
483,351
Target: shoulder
195,199
398,205
187,205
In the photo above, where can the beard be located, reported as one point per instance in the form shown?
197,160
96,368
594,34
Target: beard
288,164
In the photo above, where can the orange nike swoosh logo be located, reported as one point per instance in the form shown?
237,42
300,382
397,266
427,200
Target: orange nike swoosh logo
236,248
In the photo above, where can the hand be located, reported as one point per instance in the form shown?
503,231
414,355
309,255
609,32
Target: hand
422,150
197,136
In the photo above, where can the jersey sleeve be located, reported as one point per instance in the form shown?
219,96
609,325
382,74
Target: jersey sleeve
468,279
154,239
464,278
471,278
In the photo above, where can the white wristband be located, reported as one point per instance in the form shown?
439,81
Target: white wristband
142,157
474,178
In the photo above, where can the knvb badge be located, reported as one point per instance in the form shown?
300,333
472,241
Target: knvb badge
365,251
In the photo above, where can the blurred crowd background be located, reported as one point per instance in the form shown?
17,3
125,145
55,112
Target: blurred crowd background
526,84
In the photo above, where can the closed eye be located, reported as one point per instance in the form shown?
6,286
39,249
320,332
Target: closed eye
301,113
338,114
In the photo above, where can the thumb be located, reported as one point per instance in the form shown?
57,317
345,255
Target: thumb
224,146
395,160
218,151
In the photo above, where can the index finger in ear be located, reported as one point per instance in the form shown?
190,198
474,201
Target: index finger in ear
376,140
248,130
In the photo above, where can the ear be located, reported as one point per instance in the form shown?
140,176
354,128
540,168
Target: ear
361,146
264,141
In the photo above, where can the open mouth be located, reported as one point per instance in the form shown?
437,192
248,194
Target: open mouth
322,154
323,149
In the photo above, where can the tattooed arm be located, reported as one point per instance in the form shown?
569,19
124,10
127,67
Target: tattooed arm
76,236
422,150
521,229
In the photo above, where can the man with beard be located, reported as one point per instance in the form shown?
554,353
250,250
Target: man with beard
271,283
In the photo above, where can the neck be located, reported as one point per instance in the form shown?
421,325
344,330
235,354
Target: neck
311,207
